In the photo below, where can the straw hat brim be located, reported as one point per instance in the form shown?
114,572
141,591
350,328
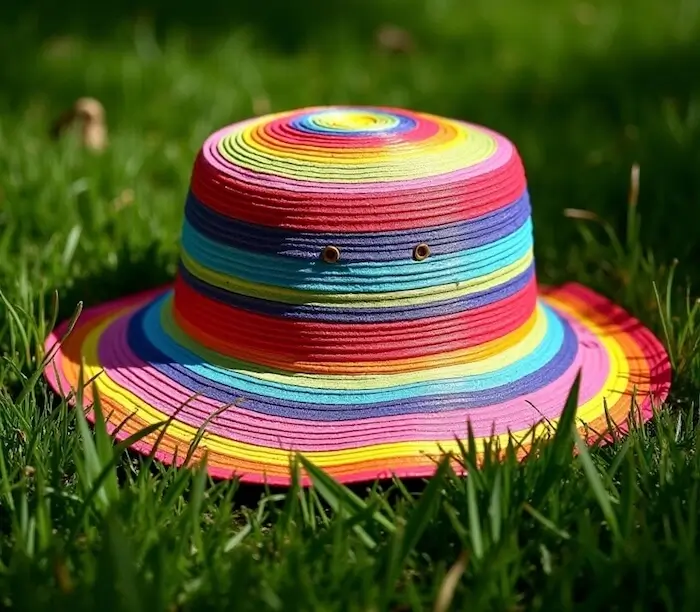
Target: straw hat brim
357,427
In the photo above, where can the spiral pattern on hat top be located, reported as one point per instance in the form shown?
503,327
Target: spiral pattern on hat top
317,170
356,284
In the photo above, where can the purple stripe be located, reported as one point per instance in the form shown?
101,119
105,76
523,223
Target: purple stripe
337,314
358,247
114,352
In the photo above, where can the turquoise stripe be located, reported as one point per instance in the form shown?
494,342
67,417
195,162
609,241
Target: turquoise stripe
358,277
246,383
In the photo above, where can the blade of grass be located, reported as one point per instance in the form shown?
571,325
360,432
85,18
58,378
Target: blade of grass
475,535
540,518
332,491
344,501
407,537
558,452
108,468
200,433
596,484
495,508
33,379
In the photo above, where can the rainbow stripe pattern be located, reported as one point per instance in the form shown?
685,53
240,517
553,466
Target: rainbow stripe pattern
356,284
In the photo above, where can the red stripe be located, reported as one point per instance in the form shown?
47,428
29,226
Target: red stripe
248,333
358,211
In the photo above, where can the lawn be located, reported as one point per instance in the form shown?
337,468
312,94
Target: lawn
585,90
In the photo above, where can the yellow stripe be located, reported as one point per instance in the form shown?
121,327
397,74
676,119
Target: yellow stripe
413,297
465,148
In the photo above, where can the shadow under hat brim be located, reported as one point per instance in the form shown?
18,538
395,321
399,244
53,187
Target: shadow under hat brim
257,420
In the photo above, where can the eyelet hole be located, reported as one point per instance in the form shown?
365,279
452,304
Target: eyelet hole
421,251
330,254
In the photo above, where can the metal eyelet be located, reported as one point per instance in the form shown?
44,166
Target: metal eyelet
421,251
330,254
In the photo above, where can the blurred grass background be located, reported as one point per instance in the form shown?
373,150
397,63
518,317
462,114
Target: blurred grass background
584,89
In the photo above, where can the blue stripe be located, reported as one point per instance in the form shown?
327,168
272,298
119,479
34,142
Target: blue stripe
306,123
357,247
338,314
358,277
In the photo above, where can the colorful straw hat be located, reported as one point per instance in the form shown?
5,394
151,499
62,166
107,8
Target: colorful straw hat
356,284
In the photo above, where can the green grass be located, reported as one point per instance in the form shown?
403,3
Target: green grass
584,89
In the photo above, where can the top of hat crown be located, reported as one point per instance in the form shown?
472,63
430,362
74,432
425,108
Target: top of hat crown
344,239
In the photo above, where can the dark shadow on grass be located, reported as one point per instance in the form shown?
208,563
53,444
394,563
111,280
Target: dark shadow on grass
137,271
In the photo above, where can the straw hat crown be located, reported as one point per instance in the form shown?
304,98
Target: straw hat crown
328,238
